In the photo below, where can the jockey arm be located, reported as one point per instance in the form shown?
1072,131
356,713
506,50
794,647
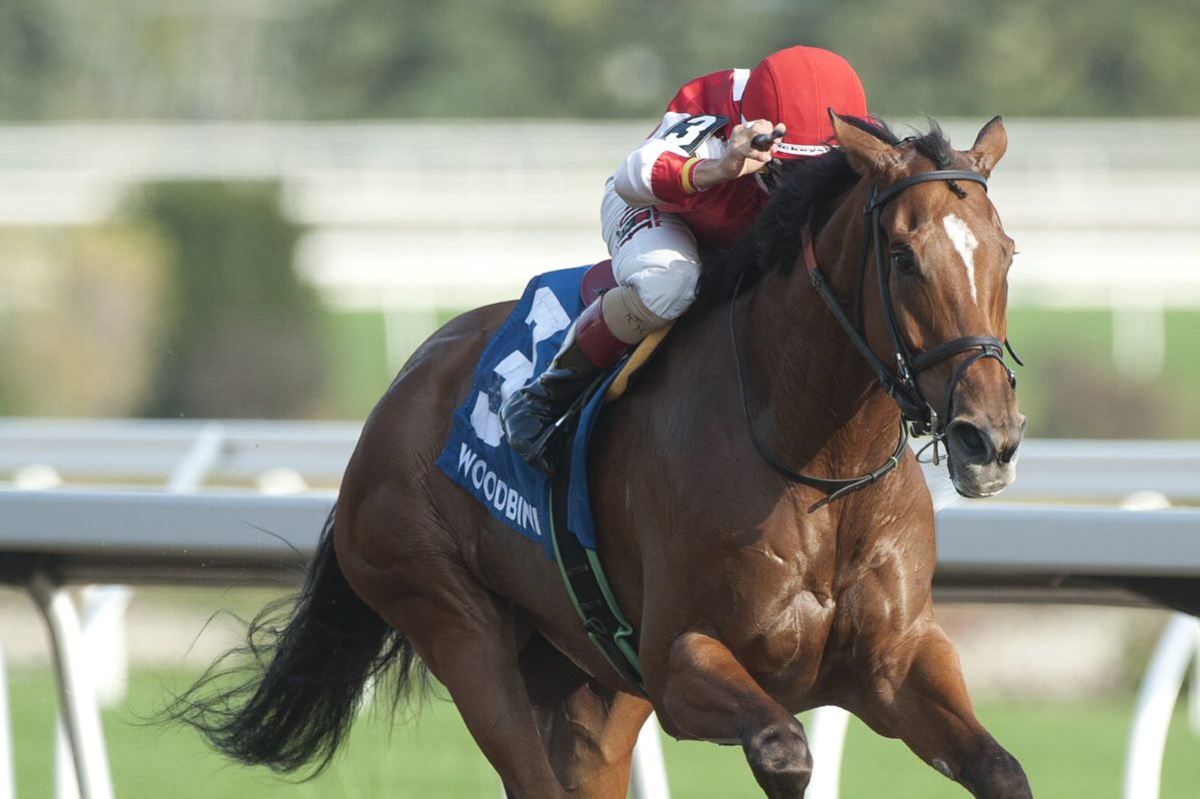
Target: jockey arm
740,157
671,172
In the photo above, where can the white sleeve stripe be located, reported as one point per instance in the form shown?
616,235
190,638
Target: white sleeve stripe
740,76
669,120
632,180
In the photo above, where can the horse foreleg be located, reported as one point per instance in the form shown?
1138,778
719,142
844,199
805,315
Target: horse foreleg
707,694
921,698
589,731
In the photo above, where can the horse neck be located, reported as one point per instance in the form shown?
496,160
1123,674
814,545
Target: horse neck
811,392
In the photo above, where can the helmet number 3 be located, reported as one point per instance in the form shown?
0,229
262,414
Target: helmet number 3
687,134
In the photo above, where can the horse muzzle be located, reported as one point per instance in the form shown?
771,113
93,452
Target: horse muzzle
983,453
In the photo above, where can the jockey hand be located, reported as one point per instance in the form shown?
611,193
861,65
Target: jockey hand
740,158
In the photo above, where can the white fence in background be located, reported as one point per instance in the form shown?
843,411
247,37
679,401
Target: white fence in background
1086,198
191,532
152,451
1102,219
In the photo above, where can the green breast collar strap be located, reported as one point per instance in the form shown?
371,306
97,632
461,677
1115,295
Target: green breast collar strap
583,575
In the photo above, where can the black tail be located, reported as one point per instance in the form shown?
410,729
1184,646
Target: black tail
310,657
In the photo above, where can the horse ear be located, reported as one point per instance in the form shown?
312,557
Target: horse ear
870,156
989,147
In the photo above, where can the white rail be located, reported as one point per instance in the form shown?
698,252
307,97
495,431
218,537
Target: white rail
1082,198
154,537
144,450
151,451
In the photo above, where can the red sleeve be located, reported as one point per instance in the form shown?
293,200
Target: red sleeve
671,179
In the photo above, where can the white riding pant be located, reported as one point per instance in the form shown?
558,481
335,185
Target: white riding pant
652,251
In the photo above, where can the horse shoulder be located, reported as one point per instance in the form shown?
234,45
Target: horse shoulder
886,577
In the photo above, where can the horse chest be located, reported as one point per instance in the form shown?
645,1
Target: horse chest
781,634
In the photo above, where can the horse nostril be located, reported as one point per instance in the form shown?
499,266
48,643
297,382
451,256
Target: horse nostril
971,442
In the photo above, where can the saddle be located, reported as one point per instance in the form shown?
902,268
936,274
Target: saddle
554,511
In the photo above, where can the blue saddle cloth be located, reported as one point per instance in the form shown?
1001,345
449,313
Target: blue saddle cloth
478,457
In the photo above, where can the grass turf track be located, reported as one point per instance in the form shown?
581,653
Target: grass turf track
1070,751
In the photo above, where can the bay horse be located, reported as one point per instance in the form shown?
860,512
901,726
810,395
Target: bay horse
755,594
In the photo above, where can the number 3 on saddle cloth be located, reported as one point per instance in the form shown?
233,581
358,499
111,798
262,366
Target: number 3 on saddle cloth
477,456
555,513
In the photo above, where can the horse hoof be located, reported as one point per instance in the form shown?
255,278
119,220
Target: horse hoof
779,757
996,774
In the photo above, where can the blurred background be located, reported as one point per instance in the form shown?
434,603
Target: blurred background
258,209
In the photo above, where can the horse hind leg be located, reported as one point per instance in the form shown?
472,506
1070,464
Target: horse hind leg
466,636
926,705
707,694
589,732
474,655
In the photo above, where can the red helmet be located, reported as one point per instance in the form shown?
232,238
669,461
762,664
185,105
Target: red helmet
796,86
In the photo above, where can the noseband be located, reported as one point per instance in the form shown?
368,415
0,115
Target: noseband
917,413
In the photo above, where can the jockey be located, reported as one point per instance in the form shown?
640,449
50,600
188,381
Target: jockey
695,181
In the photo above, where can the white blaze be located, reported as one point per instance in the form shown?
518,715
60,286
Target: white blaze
965,242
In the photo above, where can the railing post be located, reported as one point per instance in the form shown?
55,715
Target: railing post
197,463
66,778
1194,690
827,741
104,637
8,776
649,779
80,713
1155,703
103,627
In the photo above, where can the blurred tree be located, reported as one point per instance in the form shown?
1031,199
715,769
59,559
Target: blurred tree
335,59
79,313
31,57
1083,399
241,338
1023,58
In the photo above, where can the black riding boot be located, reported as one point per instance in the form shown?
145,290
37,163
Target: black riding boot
529,414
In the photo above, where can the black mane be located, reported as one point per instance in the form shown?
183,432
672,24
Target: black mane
810,189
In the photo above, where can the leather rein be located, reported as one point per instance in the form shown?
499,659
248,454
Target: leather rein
917,415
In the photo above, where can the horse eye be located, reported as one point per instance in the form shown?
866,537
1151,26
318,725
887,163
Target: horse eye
904,260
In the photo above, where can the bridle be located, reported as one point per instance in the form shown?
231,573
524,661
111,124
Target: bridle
917,415
901,385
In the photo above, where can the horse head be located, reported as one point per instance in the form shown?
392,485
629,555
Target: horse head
942,260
